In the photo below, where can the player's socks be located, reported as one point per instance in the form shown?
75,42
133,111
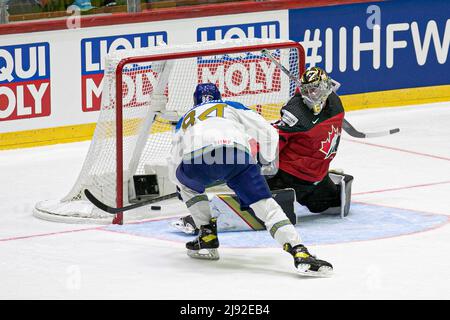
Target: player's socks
306,263
206,244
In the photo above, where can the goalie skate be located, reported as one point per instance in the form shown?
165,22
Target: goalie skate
185,224
206,244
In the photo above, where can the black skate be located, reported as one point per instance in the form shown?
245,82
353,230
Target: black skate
307,264
206,244
185,224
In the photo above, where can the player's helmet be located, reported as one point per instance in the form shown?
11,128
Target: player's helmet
205,92
315,88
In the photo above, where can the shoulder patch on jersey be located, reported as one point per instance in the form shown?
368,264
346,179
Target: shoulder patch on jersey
236,105
179,123
288,118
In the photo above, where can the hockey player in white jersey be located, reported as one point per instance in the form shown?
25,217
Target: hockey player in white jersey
211,145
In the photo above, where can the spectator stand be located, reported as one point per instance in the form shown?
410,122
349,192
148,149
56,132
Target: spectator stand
26,10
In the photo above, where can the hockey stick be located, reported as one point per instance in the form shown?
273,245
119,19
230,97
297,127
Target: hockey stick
113,210
358,134
346,125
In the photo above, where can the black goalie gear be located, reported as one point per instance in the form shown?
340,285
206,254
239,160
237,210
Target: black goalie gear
344,183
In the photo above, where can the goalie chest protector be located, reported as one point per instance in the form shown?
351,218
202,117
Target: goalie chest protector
308,143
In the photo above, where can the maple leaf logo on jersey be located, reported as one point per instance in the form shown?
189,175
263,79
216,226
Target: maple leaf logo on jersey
330,145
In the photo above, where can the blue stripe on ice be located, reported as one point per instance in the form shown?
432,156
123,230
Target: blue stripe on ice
365,222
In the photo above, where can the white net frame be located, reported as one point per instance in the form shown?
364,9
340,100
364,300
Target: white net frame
141,87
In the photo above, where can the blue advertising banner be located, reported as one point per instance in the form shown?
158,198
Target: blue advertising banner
93,53
219,69
269,29
25,81
377,46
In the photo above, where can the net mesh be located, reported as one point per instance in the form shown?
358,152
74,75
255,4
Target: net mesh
247,77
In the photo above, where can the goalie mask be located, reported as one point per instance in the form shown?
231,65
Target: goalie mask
205,92
315,88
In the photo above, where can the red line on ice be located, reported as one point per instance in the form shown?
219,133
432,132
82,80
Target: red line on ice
401,188
400,150
97,228
49,234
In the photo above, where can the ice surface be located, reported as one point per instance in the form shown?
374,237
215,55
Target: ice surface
405,252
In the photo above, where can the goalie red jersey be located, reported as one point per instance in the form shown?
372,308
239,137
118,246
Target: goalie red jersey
309,142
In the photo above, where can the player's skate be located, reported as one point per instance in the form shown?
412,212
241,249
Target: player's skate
206,244
185,224
306,263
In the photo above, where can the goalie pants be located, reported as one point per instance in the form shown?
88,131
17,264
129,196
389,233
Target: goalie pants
316,197
244,178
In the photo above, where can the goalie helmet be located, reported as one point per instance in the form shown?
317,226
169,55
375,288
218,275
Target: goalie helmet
205,92
315,88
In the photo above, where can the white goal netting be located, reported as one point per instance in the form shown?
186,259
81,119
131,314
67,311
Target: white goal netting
131,138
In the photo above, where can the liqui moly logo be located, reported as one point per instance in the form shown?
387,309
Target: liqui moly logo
93,53
264,30
243,73
247,74
24,81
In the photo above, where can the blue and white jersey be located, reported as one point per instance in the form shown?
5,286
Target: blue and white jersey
220,123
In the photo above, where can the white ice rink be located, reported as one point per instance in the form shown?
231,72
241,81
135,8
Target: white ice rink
408,172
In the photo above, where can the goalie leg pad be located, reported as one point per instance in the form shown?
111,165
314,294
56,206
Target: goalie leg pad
321,196
344,183
346,194
232,218
316,197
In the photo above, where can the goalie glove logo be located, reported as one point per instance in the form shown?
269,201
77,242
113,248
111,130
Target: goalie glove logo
330,145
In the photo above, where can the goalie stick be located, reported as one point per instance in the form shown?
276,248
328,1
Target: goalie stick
346,125
357,134
114,210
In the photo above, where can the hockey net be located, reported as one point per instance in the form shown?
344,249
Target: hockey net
144,91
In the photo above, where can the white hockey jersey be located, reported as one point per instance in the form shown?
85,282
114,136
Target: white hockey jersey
217,123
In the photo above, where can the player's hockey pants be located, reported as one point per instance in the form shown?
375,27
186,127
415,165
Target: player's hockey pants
243,176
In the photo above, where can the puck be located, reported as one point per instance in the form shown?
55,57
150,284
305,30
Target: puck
155,207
